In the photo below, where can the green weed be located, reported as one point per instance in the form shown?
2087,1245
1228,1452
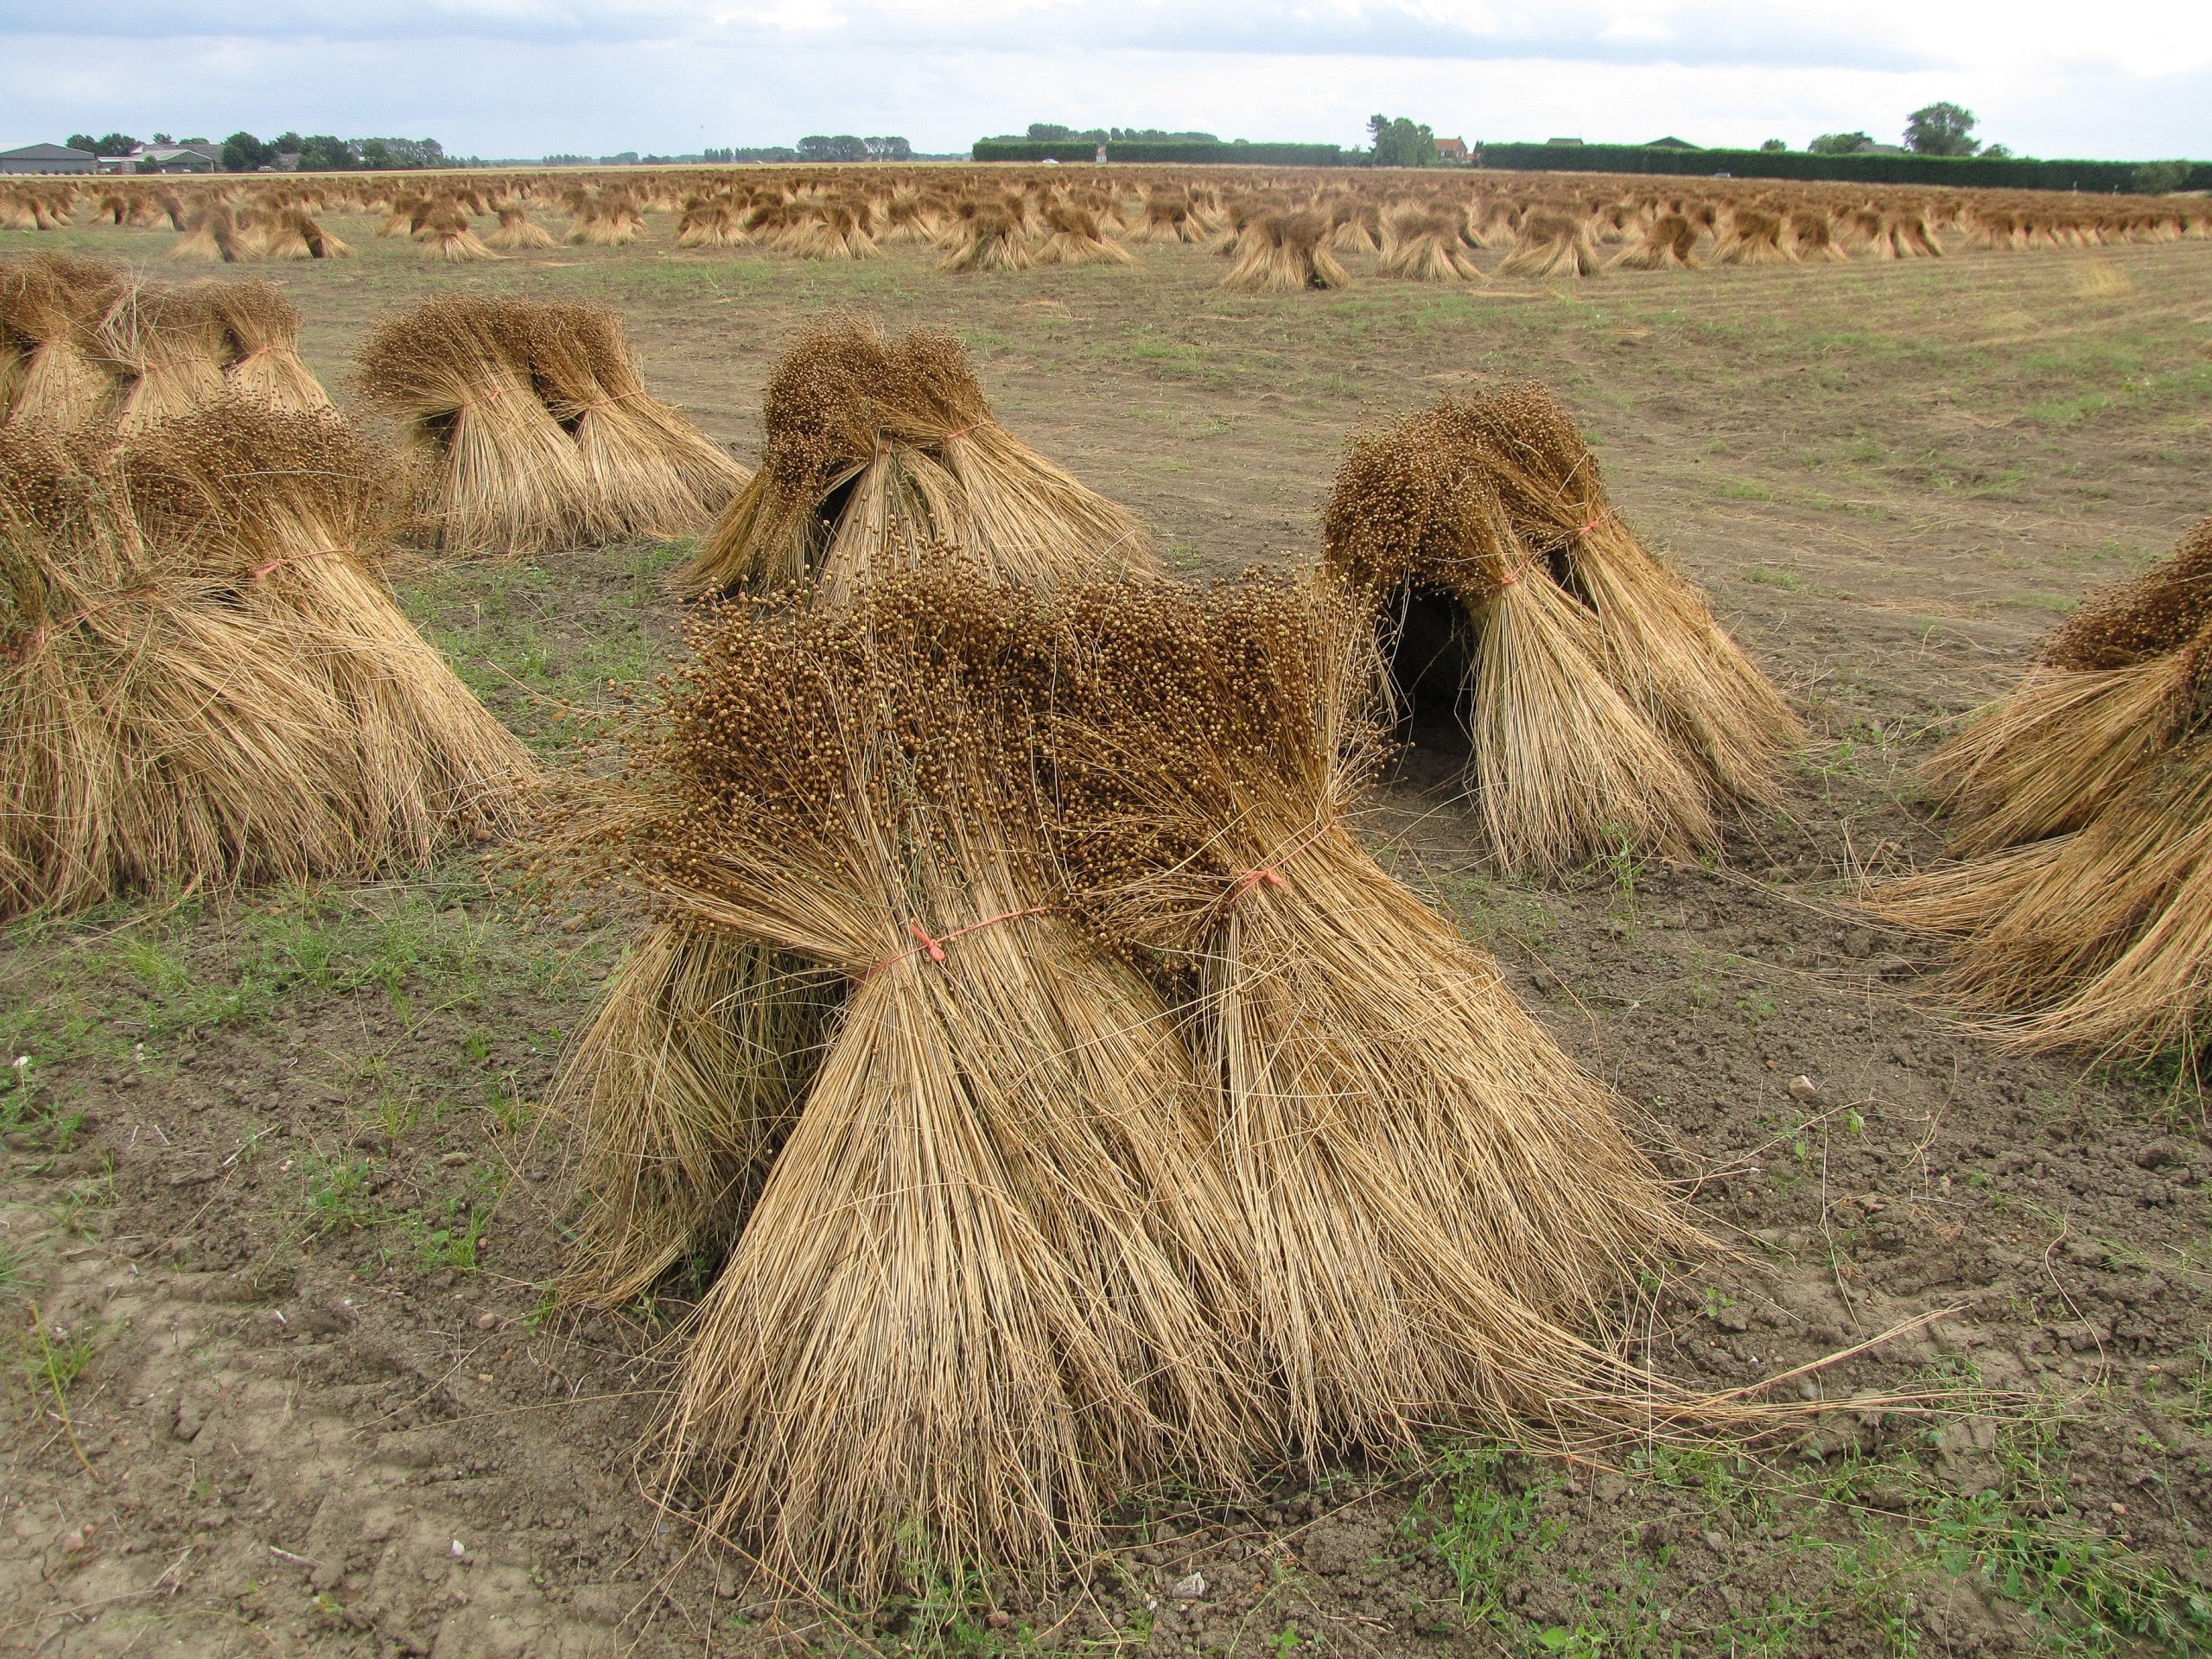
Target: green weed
341,1196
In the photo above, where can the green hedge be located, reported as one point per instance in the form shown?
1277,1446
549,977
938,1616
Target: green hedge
988,149
2003,173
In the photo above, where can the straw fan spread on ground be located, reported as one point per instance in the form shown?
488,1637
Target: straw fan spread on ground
1601,702
531,428
875,449
2081,806
1120,1118
204,681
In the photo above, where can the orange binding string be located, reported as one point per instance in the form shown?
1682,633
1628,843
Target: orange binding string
1270,874
933,947
970,427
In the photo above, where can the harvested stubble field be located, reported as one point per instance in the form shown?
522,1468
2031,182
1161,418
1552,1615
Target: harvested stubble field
279,1208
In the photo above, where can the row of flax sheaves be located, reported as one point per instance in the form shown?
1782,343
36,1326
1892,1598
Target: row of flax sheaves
1057,1095
1285,238
219,225
524,425
1433,227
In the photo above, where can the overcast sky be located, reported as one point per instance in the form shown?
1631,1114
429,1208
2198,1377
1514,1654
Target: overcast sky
2128,79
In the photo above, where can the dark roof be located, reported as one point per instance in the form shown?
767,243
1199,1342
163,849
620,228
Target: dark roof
46,153
1669,142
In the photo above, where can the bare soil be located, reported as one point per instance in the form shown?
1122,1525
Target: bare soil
279,1208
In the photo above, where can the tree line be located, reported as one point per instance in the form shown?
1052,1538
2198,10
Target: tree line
316,152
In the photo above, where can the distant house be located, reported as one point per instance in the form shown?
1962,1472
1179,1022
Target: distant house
1669,142
1451,149
46,158
1562,141
174,158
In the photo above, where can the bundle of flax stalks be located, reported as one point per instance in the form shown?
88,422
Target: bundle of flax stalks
877,446
263,361
211,235
51,379
648,471
1602,703
530,427
983,1257
989,238
1432,1199
165,348
1113,1116
1285,253
2082,806
1426,246
203,681
1551,243
1665,242
1077,239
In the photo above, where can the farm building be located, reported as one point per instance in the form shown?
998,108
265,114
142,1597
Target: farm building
174,158
46,158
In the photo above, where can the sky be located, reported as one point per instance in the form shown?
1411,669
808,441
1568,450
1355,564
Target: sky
2131,79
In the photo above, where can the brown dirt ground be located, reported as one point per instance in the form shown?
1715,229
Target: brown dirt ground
279,1210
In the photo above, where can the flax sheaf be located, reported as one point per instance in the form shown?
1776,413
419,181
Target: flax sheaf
2080,914
879,448
1603,703
986,1253
205,682
528,427
1129,1121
